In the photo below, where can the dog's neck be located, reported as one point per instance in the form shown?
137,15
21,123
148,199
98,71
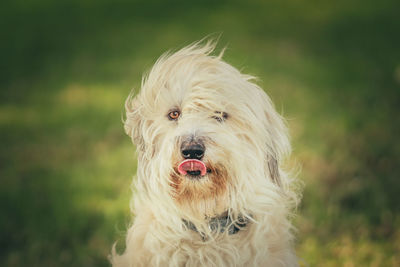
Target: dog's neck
221,224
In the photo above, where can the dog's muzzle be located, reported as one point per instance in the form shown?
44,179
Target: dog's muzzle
192,150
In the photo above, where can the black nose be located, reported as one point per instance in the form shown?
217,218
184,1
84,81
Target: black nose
192,150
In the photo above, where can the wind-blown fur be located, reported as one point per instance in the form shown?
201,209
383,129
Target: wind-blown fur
244,149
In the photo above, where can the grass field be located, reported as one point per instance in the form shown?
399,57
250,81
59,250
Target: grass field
332,68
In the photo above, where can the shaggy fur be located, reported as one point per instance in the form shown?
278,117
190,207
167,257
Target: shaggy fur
245,140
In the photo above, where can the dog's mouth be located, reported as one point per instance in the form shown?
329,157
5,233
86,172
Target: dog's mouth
193,180
193,168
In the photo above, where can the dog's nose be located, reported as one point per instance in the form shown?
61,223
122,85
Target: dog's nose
192,150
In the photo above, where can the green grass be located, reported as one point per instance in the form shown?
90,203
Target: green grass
332,68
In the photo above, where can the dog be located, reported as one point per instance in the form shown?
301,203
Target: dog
210,188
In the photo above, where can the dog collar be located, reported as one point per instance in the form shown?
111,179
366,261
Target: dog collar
221,224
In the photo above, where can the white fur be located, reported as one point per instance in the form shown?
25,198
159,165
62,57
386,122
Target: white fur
247,149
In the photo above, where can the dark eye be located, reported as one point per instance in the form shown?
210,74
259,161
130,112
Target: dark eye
174,115
220,116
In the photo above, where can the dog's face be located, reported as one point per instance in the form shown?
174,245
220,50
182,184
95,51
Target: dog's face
205,134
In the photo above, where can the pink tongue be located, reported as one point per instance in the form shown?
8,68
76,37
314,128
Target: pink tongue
192,165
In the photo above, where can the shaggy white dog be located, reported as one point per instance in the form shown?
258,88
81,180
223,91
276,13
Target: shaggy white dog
210,190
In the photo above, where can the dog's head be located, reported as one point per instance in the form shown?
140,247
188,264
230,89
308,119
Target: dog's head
208,138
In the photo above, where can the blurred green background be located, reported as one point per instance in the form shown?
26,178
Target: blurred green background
331,67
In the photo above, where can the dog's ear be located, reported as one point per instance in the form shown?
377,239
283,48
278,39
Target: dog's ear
278,145
133,122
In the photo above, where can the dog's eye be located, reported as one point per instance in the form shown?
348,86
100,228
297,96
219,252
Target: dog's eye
220,116
174,115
